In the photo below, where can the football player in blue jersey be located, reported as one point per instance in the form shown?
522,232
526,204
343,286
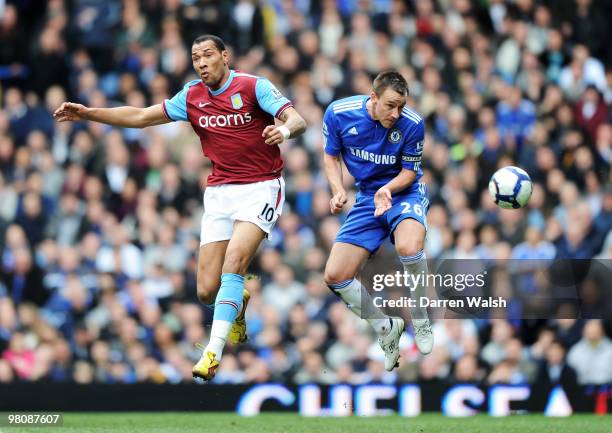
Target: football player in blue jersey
381,143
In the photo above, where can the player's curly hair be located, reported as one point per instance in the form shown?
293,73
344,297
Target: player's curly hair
219,44
392,79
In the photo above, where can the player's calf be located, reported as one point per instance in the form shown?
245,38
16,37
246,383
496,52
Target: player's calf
210,261
236,262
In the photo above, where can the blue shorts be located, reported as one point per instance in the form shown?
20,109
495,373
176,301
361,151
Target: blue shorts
363,229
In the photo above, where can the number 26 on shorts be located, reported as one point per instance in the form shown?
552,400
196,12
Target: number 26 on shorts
416,209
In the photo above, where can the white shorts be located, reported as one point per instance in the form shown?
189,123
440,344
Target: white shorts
260,203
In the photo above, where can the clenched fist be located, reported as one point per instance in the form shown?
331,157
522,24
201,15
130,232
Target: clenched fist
275,134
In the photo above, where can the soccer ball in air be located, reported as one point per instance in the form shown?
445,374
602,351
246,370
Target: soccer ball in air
510,187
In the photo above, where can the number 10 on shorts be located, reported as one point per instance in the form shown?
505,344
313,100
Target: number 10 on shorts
267,213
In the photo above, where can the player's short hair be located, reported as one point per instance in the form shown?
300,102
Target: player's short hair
219,44
392,79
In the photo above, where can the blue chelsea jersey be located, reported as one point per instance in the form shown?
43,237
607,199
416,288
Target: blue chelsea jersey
372,153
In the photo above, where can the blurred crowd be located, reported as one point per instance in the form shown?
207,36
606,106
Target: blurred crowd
99,227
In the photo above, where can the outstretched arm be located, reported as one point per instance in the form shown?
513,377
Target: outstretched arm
294,125
125,117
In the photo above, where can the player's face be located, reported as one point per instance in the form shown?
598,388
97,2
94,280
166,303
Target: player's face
210,63
388,106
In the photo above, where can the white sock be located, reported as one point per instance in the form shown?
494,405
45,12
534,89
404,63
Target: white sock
218,336
353,294
417,265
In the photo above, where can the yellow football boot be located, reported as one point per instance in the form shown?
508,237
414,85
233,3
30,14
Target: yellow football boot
238,332
206,367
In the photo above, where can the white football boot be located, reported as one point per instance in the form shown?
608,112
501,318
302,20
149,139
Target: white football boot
390,342
423,335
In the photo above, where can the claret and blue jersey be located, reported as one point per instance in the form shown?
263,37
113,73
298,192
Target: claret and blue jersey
374,155
229,122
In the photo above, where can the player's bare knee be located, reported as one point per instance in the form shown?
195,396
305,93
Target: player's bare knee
409,248
335,276
207,288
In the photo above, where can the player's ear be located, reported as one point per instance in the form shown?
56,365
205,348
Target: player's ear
373,96
225,57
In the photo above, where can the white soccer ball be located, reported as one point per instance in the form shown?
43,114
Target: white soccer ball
510,187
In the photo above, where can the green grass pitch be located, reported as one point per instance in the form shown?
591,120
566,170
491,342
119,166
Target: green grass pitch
290,423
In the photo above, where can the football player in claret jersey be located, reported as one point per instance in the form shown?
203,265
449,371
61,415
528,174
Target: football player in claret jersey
381,143
233,114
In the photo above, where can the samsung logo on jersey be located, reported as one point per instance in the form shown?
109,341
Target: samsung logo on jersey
225,120
373,157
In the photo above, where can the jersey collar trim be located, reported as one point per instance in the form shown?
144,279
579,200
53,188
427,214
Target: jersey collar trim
224,87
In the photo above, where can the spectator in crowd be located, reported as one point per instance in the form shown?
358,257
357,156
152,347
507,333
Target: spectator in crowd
466,370
24,280
494,351
590,357
555,370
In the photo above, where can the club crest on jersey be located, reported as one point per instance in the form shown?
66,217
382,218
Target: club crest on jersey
395,135
236,101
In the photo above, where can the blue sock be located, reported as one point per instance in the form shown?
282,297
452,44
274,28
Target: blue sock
229,298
